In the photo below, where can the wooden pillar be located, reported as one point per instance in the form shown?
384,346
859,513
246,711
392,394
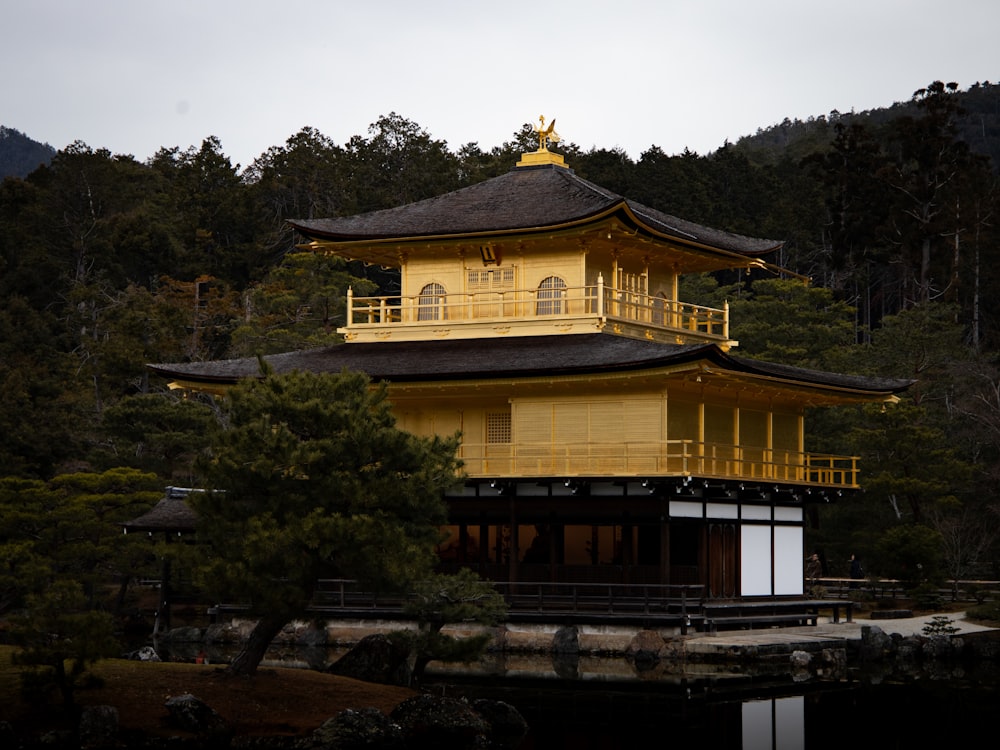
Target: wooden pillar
484,545
515,547
627,552
463,543
664,551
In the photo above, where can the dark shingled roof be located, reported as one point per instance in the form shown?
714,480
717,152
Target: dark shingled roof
171,513
525,199
513,357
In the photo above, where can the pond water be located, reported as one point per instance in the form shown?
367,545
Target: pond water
592,703
920,714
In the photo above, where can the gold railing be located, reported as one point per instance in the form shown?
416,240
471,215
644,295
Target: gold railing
671,458
526,304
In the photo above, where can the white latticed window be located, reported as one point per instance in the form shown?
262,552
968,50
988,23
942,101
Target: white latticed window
550,296
491,279
431,303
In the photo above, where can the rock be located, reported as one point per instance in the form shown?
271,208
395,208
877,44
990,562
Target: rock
833,660
375,658
566,640
362,729
801,660
190,714
982,648
184,635
219,633
507,727
311,637
146,653
938,647
98,727
435,722
875,644
909,648
644,649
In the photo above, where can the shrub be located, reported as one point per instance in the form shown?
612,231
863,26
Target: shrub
940,625
911,554
988,611
976,593
56,629
926,596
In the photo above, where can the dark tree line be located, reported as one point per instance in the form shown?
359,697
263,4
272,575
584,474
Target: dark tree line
107,264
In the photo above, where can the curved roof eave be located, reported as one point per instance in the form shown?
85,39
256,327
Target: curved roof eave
524,201
623,207
550,356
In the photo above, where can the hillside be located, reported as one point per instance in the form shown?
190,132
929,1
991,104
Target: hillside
20,155
979,126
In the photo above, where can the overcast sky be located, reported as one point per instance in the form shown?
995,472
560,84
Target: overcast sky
133,76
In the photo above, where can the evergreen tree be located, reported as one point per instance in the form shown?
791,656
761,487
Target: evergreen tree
440,600
925,174
298,305
309,477
789,321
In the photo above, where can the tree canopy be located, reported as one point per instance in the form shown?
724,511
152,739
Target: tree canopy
107,264
308,477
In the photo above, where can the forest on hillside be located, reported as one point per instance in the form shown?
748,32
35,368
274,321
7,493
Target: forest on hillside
108,263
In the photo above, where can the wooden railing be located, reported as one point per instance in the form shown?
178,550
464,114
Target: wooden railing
599,301
658,459
532,601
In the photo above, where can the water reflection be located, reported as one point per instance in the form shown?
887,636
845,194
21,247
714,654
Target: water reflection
819,717
777,724
593,703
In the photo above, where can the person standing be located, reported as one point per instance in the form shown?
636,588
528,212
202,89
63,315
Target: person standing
814,568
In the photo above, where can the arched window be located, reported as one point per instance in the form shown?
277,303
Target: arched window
430,304
549,300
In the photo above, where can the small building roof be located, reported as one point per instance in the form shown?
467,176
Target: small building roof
524,201
170,514
519,357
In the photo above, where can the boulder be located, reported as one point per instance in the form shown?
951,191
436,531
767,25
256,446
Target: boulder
98,727
833,660
146,653
187,634
188,713
375,658
566,640
644,649
507,727
430,721
361,729
938,647
875,644
801,660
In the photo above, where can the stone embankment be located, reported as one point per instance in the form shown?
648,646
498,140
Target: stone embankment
829,645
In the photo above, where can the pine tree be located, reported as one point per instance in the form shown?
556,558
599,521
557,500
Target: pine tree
310,478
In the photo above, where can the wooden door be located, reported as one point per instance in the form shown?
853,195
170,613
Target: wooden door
722,557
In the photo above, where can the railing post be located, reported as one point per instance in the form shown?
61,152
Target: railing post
725,319
600,295
350,306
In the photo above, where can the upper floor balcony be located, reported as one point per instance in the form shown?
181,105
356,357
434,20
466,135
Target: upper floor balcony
659,461
533,312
